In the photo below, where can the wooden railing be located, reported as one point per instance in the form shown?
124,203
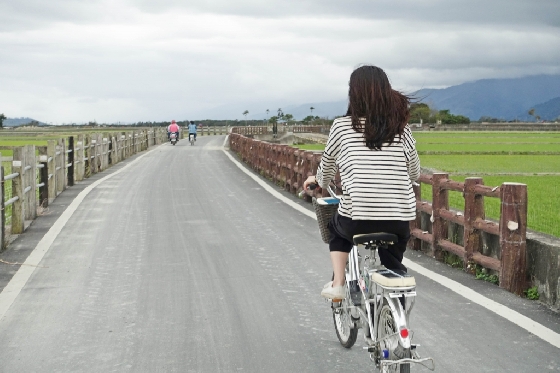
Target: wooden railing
289,167
310,129
283,164
511,229
263,130
59,165
252,130
212,130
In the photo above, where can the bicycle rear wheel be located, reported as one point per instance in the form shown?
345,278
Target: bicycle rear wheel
387,327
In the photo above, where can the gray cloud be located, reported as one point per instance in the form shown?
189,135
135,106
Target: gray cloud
434,11
135,60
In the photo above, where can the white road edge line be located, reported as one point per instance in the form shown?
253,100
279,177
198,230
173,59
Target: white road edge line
20,278
515,317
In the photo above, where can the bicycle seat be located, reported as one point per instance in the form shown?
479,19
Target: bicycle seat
375,238
392,278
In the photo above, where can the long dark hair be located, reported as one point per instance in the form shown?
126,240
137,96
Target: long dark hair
377,110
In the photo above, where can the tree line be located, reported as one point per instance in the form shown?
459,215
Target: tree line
422,113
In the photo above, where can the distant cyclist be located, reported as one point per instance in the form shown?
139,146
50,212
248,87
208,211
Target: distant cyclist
192,130
173,128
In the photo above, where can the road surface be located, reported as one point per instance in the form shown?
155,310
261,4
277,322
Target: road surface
176,260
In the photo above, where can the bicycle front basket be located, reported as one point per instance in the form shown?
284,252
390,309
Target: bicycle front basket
324,209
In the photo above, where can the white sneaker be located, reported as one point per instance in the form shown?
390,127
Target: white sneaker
334,293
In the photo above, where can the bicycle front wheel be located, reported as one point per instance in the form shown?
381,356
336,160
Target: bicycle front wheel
387,328
346,329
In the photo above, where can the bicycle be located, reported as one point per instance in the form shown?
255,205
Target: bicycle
191,139
378,300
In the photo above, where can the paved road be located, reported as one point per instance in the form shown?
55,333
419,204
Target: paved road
183,263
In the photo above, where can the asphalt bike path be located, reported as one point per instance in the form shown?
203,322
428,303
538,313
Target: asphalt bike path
182,262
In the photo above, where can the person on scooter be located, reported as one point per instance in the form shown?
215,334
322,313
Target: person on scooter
192,130
173,128
373,149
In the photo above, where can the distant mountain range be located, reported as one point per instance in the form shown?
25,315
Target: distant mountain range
506,99
12,122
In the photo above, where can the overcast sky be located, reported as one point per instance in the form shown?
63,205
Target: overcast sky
64,61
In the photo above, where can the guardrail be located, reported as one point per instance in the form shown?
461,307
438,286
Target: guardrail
283,164
206,130
252,130
38,180
511,229
289,167
265,130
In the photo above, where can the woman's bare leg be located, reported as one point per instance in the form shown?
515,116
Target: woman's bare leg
338,259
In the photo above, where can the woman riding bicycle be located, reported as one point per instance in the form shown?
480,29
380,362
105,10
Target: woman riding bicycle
373,149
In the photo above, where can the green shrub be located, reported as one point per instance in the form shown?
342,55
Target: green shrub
532,293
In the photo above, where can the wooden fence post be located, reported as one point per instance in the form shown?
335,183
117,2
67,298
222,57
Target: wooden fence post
51,161
513,232
44,177
105,157
93,156
415,243
135,141
474,210
71,160
112,151
127,146
99,152
120,144
440,200
31,182
3,217
18,161
61,167
87,155
80,155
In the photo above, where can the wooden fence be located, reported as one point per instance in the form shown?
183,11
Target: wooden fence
213,130
289,167
59,165
511,228
265,130
283,164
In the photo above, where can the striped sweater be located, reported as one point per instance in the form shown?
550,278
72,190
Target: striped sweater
376,184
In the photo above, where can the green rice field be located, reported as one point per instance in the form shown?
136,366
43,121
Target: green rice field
534,160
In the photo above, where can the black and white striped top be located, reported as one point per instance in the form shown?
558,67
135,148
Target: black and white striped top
376,184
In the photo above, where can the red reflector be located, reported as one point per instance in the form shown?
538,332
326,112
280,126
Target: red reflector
404,333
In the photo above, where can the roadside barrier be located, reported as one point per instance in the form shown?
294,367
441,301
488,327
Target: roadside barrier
213,130
59,165
288,167
252,130
265,130
283,164
511,229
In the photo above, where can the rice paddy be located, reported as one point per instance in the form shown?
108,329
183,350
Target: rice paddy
531,158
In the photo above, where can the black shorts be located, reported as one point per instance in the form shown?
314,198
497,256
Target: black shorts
343,229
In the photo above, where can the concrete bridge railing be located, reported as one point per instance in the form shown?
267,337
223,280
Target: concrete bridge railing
35,181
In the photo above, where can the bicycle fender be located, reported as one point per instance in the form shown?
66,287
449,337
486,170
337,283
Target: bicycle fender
399,316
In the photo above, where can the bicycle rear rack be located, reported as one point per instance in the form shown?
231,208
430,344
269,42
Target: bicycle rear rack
384,365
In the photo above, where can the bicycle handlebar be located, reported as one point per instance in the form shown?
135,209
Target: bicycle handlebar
314,186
